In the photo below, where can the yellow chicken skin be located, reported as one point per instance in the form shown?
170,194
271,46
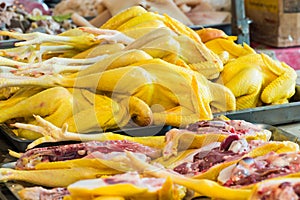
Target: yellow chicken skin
55,104
162,41
169,49
149,29
257,79
58,105
223,45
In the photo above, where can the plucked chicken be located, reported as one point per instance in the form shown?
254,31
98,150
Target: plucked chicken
161,74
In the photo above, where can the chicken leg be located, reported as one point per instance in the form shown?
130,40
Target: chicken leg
57,110
52,133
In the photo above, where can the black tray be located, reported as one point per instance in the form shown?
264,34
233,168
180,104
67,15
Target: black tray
21,143
272,114
6,44
279,134
226,27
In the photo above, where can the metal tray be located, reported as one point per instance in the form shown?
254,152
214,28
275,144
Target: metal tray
9,190
279,134
272,115
6,44
21,143
226,27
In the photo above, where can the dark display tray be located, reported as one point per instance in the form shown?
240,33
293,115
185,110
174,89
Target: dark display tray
279,134
6,44
21,143
226,27
272,114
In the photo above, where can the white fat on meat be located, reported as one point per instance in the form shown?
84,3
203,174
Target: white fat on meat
239,146
280,162
152,184
225,174
234,171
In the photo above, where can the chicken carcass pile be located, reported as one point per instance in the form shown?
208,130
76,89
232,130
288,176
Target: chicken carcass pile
140,68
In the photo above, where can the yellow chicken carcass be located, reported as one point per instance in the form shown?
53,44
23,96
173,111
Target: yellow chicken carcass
155,40
102,113
152,81
257,79
112,74
163,42
59,106
199,96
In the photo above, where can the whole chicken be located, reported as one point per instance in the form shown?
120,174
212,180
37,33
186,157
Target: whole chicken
257,79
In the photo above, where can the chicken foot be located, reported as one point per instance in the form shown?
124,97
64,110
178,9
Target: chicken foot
52,133
113,36
81,40
57,65
11,63
33,53
101,64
